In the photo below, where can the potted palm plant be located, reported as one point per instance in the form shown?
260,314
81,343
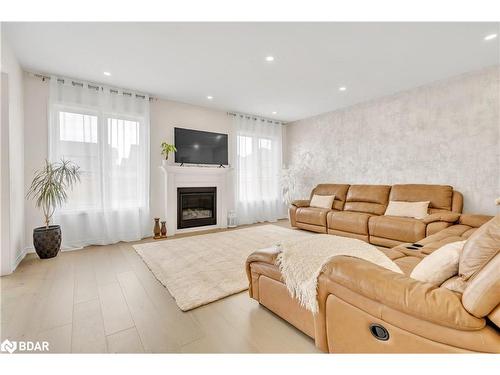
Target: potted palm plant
49,189
167,148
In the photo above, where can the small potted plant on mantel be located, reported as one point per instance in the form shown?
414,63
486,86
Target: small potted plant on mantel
166,148
49,189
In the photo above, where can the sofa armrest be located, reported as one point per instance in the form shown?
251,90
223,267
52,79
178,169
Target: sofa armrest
448,217
267,255
399,292
301,203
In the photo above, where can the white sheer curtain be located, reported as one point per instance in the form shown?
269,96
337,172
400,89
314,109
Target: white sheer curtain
107,134
257,169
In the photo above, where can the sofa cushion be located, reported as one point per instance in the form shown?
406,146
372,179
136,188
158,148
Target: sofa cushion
339,190
312,215
352,222
439,196
407,263
417,210
439,266
322,201
402,229
367,198
480,248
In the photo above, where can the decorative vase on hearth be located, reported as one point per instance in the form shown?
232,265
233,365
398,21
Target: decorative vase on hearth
163,229
156,229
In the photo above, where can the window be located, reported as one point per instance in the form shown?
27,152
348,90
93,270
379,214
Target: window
109,159
77,127
123,142
264,144
106,133
258,177
123,136
257,167
78,141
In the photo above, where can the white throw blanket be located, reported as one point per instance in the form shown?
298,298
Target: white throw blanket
301,262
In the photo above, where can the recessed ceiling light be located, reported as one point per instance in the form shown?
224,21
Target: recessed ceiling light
210,97
490,36
107,74
274,112
269,58
342,88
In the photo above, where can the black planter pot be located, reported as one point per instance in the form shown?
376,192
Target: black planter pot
47,241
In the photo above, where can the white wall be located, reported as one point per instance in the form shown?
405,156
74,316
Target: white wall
5,253
12,162
444,133
165,115
36,99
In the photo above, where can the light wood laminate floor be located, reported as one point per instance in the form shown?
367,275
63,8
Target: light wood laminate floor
104,299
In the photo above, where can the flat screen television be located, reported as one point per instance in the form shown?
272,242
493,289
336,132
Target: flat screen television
199,147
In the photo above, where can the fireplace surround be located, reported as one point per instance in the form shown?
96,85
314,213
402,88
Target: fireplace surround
194,177
196,206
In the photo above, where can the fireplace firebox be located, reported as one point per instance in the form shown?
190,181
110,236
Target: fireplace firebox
196,207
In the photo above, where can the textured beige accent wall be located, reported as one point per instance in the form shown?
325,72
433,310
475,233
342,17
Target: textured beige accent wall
447,132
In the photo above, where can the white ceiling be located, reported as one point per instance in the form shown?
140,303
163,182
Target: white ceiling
188,61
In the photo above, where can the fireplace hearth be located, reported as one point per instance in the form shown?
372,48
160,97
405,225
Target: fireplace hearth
196,207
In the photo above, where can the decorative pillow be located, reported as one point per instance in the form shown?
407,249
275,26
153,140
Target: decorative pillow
481,247
322,201
440,265
417,210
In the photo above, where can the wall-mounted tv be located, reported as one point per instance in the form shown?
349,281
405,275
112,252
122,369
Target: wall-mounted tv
199,147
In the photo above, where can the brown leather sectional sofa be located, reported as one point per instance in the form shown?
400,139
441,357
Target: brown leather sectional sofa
358,212
364,308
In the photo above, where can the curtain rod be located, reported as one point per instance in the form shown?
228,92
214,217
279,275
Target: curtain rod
253,117
93,86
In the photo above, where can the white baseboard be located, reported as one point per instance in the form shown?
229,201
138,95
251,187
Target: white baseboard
31,250
19,259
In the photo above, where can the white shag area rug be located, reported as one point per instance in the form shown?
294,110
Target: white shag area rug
301,261
201,269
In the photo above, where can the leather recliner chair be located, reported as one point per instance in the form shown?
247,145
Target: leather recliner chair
444,209
313,218
362,203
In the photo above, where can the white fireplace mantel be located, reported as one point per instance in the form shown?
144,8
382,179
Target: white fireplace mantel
191,176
